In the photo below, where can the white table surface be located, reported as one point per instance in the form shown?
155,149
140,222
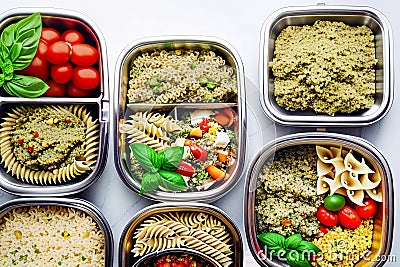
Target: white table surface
238,22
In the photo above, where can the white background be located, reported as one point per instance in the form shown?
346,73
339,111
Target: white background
239,23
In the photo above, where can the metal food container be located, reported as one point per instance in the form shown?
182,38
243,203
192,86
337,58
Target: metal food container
78,204
126,243
353,16
98,105
383,220
123,109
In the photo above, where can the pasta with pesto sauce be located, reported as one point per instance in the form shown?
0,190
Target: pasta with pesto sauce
173,76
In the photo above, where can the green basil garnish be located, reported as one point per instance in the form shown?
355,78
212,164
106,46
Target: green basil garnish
296,250
18,45
159,167
171,157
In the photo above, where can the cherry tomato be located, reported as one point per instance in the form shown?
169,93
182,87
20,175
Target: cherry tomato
39,67
58,53
61,73
50,35
72,37
85,77
74,91
334,202
185,169
323,229
56,89
349,218
84,55
42,48
369,210
204,125
327,217
198,152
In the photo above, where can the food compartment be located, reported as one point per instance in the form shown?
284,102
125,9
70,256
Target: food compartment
194,150
70,56
209,75
42,231
328,197
198,227
51,149
292,87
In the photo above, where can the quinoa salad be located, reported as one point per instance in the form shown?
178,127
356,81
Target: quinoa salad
320,202
328,67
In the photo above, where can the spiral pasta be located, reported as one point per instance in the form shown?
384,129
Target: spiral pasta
195,230
48,144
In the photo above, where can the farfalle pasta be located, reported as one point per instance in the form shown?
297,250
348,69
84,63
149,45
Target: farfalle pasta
194,230
49,144
339,171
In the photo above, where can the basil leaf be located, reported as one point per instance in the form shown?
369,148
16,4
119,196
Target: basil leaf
293,241
150,182
19,41
25,86
143,153
307,247
171,157
296,259
273,241
172,180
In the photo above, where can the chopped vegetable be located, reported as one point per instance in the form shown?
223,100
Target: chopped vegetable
215,172
196,133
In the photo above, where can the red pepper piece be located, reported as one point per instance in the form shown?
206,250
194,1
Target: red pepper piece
30,149
20,141
204,125
68,120
36,134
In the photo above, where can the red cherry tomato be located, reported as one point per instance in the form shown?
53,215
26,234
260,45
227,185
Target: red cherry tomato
56,89
59,52
198,152
204,125
72,37
50,35
349,218
85,77
327,217
42,48
84,55
39,67
61,73
369,210
185,169
74,91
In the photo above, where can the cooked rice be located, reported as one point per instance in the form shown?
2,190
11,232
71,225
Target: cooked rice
50,236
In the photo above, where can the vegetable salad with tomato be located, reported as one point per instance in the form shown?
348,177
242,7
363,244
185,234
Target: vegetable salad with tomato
197,156
39,60
287,205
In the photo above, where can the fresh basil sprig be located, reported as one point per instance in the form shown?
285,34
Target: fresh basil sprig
294,248
18,45
159,167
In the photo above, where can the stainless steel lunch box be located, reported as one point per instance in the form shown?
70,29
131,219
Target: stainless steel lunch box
79,204
125,257
383,222
353,16
98,105
122,109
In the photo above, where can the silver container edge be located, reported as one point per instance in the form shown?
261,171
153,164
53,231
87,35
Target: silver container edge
126,240
351,15
79,204
121,81
360,145
99,106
